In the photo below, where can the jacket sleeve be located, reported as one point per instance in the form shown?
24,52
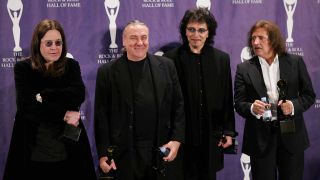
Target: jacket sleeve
306,94
102,111
229,119
25,92
177,115
71,95
241,103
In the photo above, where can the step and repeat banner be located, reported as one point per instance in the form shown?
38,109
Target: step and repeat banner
94,29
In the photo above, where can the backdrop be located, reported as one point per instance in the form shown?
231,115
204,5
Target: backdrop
93,29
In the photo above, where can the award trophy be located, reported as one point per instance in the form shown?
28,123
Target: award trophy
286,121
111,173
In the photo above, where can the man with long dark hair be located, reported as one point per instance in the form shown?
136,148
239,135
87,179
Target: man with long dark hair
205,78
276,147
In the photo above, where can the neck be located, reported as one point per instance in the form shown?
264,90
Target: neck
196,49
48,64
136,59
270,59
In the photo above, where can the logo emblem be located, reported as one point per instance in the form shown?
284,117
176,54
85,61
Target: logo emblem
245,54
15,8
290,7
203,4
112,10
246,166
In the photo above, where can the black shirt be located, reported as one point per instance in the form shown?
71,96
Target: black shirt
144,102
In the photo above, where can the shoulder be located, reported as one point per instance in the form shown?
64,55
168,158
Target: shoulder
218,54
72,61
246,64
161,59
24,64
173,53
291,57
109,66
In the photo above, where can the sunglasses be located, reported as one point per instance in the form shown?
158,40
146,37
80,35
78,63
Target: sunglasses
49,43
193,30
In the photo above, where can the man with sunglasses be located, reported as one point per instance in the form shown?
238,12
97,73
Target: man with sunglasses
49,91
205,78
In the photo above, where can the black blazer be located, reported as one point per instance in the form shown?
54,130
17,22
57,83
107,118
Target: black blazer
59,95
249,86
114,105
219,97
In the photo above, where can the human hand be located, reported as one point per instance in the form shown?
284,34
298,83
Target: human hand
105,167
286,107
174,147
225,142
259,107
72,118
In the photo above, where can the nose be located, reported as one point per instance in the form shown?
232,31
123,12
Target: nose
140,42
256,41
53,46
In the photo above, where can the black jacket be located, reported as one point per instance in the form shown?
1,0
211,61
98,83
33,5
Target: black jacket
59,95
249,86
114,108
219,98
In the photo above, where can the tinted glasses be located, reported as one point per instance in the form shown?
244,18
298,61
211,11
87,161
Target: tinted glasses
49,43
193,30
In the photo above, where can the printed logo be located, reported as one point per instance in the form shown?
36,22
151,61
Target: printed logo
15,8
246,166
63,4
158,4
112,10
317,104
245,54
203,4
290,7
247,2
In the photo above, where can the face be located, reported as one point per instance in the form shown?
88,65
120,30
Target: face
261,44
136,41
197,34
51,46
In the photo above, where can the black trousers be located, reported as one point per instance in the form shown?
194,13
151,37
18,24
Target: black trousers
51,171
277,162
196,163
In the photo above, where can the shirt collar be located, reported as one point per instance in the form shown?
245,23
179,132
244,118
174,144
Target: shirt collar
264,61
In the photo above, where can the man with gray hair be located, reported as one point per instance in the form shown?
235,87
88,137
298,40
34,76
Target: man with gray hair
139,111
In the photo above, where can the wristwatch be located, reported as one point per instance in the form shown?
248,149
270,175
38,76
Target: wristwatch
39,98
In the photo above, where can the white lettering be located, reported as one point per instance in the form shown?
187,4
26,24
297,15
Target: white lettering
167,4
73,4
52,5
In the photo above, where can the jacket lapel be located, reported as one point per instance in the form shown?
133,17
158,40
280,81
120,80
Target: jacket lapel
123,80
255,74
284,64
158,75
